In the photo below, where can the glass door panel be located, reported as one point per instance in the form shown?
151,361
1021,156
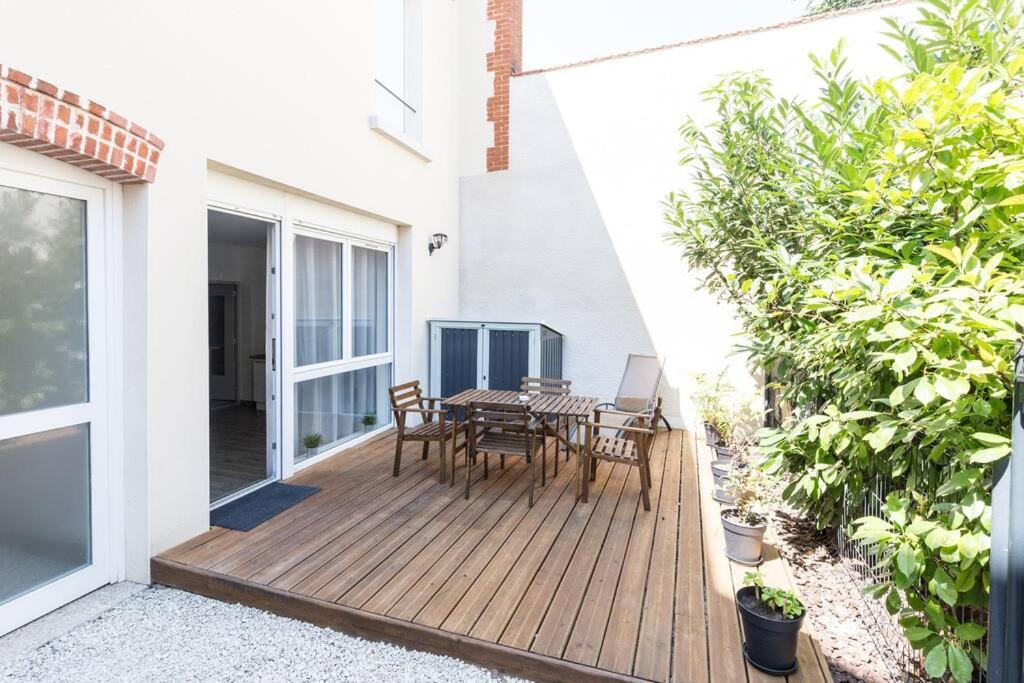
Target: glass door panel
369,301
339,408
53,542
318,300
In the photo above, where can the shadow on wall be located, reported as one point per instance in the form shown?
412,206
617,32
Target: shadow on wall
541,243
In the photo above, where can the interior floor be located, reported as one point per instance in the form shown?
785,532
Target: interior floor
238,449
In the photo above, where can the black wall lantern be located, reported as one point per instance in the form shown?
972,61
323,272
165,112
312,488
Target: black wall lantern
437,240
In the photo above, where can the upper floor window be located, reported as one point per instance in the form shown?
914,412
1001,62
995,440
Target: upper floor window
397,80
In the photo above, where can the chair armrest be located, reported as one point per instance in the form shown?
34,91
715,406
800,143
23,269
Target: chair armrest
623,413
426,411
618,428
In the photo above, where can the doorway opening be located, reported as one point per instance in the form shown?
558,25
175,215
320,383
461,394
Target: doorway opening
243,354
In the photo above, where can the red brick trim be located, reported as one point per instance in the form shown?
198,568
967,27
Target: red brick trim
505,60
39,116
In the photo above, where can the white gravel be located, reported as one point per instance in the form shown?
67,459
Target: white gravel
162,634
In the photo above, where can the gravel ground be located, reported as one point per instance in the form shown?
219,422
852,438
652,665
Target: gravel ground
835,607
162,634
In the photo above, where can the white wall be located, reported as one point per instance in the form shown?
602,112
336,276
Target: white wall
282,92
246,267
573,233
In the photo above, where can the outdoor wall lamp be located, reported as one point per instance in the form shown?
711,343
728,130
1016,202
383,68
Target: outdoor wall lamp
437,240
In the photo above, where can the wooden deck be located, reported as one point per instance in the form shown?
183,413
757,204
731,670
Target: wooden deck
602,591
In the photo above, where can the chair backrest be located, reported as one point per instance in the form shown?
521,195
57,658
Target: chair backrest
405,396
639,386
546,385
507,417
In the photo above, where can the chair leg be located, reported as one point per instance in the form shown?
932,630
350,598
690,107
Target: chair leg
455,438
586,479
503,461
544,461
441,445
426,450
485,465
593,470
532,463
645,486
469,468
398,456
557,446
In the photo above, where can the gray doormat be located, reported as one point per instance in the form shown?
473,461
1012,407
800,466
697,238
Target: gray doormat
248,512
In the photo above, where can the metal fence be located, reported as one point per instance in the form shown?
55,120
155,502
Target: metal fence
861,561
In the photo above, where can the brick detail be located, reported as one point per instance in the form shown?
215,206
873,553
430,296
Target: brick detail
37,115
505,60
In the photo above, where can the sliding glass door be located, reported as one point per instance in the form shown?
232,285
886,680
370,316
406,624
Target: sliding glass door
343,356
53,453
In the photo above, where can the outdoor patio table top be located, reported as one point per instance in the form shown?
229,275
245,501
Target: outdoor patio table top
550,405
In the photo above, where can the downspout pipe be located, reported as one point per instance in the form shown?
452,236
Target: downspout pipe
1006,595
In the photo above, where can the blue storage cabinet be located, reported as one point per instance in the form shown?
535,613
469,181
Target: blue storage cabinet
477,354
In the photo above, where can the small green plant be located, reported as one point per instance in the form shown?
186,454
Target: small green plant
752,491
369,420
777,598
313,440
712,399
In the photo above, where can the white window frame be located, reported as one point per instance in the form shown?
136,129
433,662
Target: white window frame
102,409
411,135
348,362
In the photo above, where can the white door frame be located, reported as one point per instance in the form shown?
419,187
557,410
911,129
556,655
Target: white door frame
275,468
102,410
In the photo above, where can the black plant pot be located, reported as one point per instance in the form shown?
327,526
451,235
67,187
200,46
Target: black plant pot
723,453
711,435
769,639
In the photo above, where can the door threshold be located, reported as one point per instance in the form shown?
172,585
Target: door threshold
242,492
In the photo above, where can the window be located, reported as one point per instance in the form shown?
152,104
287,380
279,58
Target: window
397,80
343,329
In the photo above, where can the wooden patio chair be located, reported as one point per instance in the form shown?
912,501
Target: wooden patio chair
504,429
408,398
550,385
629,444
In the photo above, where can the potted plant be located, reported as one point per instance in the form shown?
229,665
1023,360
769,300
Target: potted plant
771,625
711,399
369,420
312,443
745,523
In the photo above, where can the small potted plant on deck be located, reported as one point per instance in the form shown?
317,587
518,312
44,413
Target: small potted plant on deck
312,442
745,524
711,399
369,420
771,625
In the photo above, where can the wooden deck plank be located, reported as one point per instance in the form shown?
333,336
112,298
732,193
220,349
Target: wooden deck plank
509,534
654,646
390,581
462,554
493,605
619,642
562,591
515,563
690,652
727,665
572,557
613,573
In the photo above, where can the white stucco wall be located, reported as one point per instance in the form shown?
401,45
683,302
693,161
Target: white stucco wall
282,93
572,234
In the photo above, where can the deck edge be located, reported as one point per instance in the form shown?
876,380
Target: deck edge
374,627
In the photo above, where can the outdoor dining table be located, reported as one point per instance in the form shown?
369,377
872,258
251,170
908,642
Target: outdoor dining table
541,406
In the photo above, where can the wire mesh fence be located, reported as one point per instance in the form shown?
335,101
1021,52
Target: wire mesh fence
861,560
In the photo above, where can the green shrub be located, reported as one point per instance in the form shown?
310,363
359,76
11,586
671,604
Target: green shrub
871,243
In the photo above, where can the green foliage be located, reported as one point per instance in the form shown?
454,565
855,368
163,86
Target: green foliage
712,399
823,6
313,440
870,242
776,598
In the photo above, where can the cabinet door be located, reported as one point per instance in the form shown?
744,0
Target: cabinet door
460,353
508,359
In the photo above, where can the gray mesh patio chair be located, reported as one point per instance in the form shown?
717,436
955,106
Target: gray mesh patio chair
638,390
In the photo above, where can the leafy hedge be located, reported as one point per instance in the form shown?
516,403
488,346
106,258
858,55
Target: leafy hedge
871,243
